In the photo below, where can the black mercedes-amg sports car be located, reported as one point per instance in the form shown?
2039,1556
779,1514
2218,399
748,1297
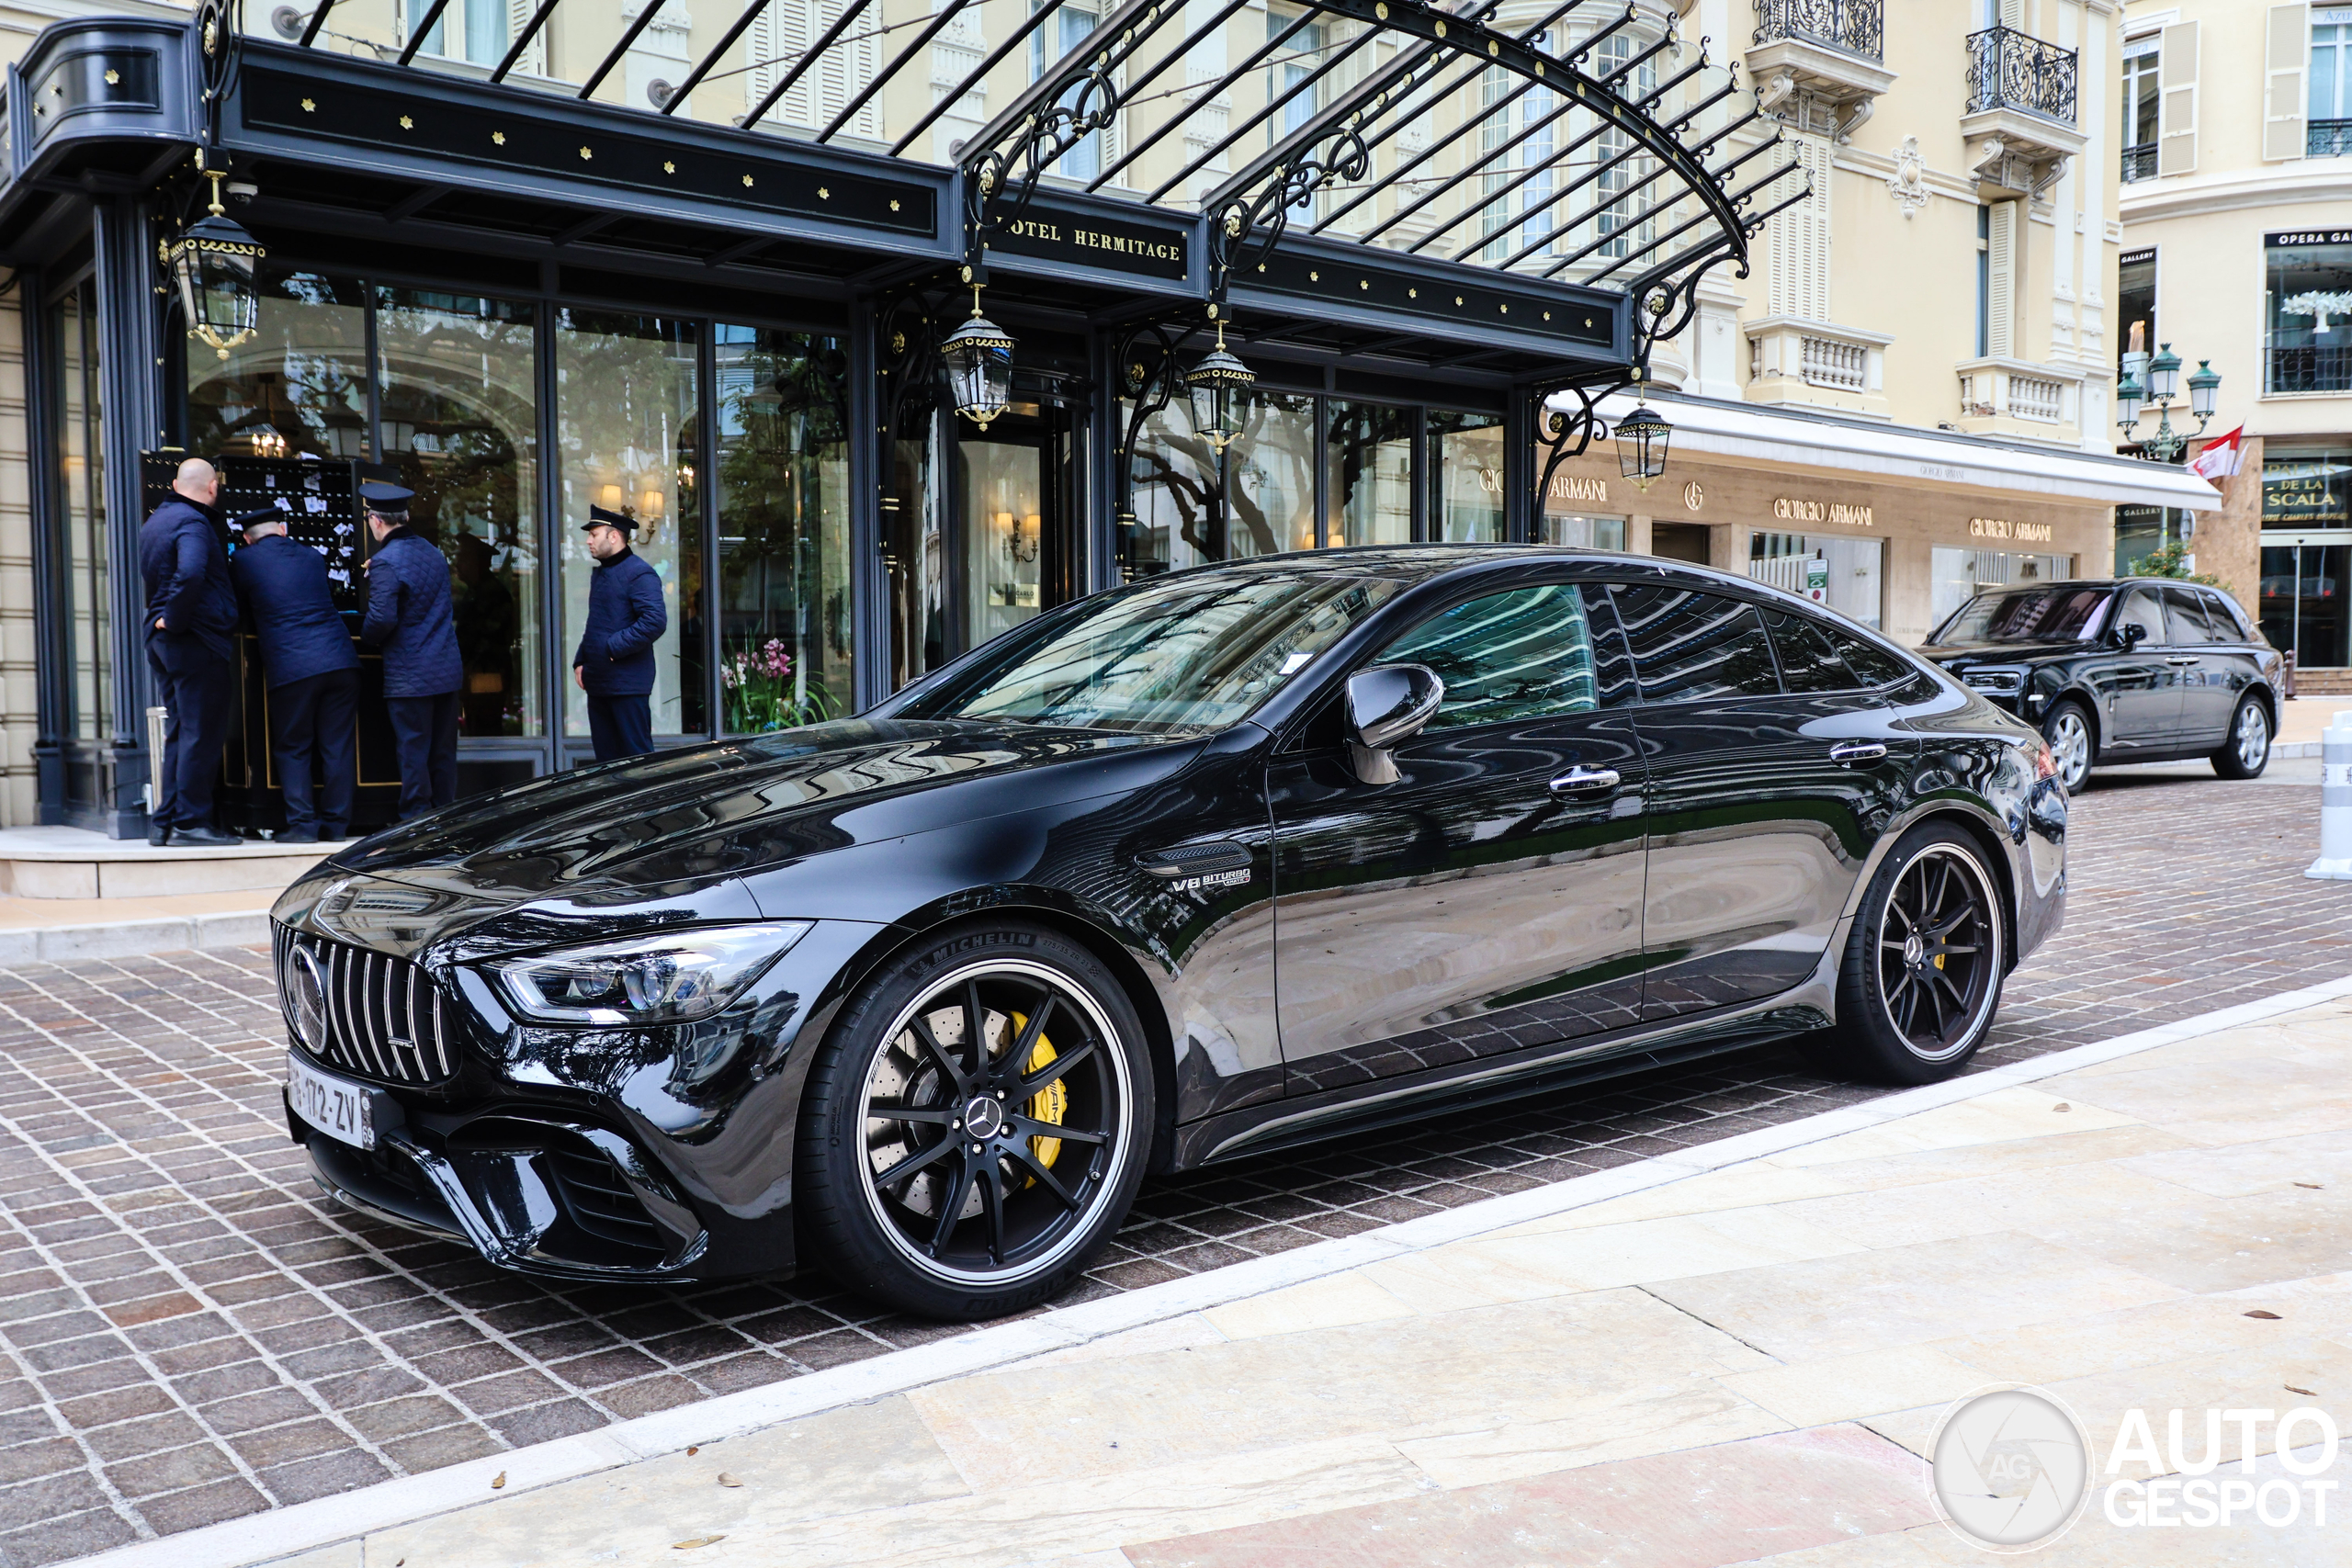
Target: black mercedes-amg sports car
1226,860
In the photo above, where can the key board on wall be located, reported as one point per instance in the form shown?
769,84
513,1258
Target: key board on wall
318,497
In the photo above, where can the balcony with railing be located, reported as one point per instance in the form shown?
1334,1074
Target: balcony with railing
2327,139
2312,367
2021,401
2020,113
1793,360
1820,64
1857,27
2138,162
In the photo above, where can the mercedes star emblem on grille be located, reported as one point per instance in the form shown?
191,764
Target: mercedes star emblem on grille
309,1000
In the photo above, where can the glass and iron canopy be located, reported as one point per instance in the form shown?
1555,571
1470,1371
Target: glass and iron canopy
1388,179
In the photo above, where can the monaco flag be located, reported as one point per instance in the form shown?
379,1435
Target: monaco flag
2221,457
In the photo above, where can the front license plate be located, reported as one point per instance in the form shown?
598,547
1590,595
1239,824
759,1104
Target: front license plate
342,1109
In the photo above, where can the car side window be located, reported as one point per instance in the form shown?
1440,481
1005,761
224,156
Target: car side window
1809,662
1873,664
2140,609
2229,624
1527,654
2185,612
1688,645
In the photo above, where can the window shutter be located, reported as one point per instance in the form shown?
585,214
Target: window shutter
759,54
2177,111
2000,285
534,61
2285,68
2013,12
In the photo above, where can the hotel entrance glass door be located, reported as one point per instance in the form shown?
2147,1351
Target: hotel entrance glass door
2304,588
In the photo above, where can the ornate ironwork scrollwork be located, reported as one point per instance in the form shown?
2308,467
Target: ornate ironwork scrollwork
1144,367
221,32
1248,227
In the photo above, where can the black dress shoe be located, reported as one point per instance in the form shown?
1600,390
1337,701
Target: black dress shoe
159,837
297,836
203,839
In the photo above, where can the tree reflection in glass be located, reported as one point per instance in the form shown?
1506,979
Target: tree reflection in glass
785,647
460,412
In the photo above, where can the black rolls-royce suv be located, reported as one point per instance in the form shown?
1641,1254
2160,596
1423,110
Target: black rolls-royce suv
2137,671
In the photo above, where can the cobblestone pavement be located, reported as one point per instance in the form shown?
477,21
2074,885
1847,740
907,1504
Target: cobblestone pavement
189,1333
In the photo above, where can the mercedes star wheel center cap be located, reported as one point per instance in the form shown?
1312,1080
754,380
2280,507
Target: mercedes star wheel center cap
1914,951
309,1000
984,1118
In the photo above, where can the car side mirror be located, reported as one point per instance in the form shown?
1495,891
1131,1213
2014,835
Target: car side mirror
1387,705
2130,634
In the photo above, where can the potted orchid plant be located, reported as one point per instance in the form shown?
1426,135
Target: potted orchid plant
758,689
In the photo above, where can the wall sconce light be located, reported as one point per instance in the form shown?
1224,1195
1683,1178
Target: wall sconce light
609,498
650,504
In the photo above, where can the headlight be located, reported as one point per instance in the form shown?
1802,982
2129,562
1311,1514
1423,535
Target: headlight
2002,682
656,977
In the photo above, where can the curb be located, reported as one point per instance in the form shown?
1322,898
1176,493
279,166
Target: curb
2296,748
125,939
300,1527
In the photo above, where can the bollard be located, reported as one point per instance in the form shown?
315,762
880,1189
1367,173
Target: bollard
2335,862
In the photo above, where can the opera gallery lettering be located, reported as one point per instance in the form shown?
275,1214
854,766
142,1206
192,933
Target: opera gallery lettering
1788,509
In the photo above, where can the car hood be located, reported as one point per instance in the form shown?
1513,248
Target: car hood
2001,652
665,826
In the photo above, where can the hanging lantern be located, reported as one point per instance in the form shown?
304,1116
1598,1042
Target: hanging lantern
1642,437
212,264
978,357
1219,389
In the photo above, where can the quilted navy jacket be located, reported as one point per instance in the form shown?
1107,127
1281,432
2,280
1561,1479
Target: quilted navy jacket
625,618
187,570
410,617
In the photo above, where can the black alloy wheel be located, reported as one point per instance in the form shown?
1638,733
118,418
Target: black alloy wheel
2073,745
2247,750
975,1125
1923,965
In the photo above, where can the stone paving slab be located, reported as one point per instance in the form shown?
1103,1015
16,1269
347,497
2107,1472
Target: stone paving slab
189,1334
1758,1374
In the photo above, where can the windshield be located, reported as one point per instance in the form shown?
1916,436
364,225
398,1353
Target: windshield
2027,614
1193,652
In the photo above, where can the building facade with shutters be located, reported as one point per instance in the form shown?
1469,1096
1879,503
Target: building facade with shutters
2237,218
1910,396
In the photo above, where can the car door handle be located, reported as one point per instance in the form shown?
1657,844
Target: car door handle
1581,779
1853,751
2180,658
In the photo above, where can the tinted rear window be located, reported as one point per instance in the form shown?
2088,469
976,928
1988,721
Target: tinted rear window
1688,645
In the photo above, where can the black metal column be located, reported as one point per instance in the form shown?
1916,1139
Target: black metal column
869,580
52,659
132,421
1522,508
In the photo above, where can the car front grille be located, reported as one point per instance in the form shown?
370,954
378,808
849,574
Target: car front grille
384,1017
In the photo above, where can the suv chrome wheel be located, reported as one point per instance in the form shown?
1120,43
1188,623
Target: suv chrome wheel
2069,734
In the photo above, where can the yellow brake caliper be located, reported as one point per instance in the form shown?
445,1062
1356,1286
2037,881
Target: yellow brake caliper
1049,1104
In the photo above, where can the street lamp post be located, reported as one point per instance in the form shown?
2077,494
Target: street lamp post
2161,386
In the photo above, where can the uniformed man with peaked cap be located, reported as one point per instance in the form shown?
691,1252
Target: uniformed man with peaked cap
410,618
191,618
613,663
310,669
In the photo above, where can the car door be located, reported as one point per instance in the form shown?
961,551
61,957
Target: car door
1764,797
1489,900
2138,688
2207,670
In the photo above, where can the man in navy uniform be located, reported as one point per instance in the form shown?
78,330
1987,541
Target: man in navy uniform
615,662
312,671
411,619
191,616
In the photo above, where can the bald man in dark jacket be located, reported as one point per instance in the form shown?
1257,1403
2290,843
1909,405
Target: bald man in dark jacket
191,618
